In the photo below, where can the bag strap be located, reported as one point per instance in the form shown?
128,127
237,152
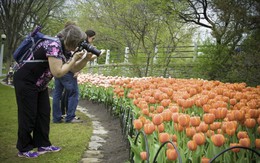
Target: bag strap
34,61
45,37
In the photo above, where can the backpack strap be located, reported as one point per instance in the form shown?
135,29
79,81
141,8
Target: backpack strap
34,61
31,59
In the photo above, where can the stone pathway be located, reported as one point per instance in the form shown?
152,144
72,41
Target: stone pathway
94,153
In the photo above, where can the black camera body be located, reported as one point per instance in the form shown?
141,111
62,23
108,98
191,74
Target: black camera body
90,48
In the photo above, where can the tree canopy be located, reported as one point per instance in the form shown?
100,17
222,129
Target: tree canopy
18,18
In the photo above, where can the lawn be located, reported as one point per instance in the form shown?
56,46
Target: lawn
73,138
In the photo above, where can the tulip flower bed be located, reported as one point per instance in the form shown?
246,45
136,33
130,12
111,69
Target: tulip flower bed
182,120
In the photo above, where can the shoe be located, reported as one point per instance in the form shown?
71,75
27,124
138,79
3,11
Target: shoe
74,120
42,150
77,117
63,116
29,154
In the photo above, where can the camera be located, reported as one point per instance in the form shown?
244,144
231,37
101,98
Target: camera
89,48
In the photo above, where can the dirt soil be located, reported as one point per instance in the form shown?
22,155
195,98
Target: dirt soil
116,148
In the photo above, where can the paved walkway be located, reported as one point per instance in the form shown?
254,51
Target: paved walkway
94,153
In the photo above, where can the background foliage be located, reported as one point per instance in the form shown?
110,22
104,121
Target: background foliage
231,52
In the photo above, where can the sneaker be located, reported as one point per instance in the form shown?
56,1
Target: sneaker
77,117
29,154
74,120
63,116
42,150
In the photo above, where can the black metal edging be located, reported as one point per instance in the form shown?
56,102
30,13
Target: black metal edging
146,145
252,150
179,156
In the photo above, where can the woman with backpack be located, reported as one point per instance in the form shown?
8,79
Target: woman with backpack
30,82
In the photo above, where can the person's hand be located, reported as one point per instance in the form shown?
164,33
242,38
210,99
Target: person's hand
78,55
93,57
89,56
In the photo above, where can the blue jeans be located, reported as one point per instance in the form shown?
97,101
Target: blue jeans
70,84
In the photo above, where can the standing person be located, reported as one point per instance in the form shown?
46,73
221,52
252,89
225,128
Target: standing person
67,100
30,83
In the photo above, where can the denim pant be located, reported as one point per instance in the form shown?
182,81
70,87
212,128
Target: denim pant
69,83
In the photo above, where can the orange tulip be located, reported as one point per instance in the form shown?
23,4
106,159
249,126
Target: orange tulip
159,109
190,131
258,129
157,119
163,137
229,127
258,120
245,142
143,155
167,115
240,115
215,125
149,128
203,127
138,124
165,102
230,132
250,123
218,139
205,160
220,131
174,109
257,143
195,121
199,138
192,145
151,100
208,118
174,138
170,146
163,96
232,101
252,104
171,154
180,102
210,133
235,149
192,91
206,108
253,113
160,127
143,105
231,116
178,127
175,117
151,109
242,134
143,119
145,111
184,120
221,113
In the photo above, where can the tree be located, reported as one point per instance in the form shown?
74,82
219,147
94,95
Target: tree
230,22
18,18
140,25
228,19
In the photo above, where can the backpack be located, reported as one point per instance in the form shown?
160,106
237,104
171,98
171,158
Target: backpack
24,52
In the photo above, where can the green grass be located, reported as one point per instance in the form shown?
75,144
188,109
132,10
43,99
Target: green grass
73,138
